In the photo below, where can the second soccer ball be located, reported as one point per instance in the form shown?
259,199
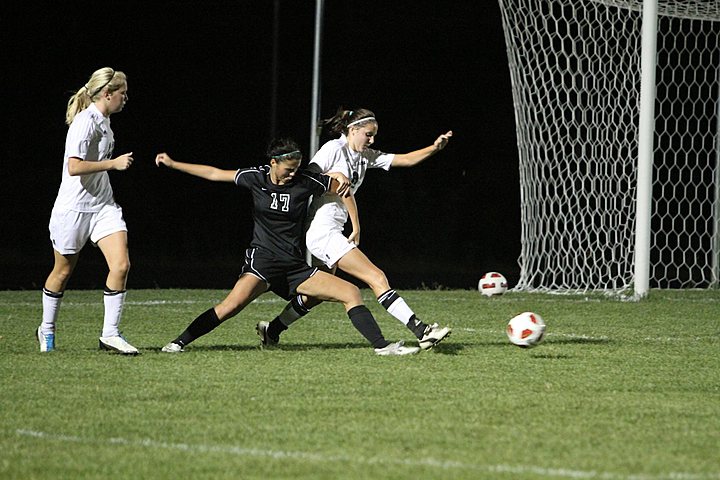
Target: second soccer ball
493,283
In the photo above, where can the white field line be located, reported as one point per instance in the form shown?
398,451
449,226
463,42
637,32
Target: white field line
66,303
579,336
447,465
269,298
263,299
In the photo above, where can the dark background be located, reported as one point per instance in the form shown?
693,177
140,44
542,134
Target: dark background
203,87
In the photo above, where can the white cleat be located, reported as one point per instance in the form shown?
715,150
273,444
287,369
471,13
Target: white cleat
397,348
172,348
117,344
433,335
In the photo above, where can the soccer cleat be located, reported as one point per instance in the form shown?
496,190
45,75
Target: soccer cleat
47,342
117,344
433,335
172,348
261,328
397,348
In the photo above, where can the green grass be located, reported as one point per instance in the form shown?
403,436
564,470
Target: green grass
619,390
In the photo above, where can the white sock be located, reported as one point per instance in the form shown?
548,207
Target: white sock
113,311
51,308
396,306
400,310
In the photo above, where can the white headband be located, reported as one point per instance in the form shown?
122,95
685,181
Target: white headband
358,121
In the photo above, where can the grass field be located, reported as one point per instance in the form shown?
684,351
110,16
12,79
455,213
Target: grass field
619,390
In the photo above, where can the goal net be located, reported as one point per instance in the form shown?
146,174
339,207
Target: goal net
575,73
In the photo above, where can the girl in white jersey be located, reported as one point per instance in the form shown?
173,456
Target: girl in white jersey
351,155
85,208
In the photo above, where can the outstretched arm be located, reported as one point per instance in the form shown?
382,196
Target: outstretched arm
203,171
413,158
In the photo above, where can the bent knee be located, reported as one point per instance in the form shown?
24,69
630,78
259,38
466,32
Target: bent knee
377,280
351,294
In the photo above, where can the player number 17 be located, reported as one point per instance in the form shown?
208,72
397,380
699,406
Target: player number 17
284,199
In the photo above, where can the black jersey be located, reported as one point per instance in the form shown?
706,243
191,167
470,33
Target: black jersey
279,211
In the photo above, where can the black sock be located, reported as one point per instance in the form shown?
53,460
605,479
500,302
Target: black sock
275,328
365,323
416,326
204,323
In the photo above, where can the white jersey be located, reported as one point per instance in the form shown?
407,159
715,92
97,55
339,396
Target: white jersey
337,156
90,138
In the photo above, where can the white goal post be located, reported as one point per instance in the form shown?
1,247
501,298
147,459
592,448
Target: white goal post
575,69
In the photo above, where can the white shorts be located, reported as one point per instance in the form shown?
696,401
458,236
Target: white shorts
328,245
70,230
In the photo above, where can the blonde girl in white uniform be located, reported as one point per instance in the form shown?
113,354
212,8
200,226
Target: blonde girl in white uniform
351,155
85,208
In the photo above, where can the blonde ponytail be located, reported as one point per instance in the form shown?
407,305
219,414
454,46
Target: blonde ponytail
88,93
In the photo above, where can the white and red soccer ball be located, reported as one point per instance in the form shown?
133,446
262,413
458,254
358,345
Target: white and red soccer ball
526,330
493,283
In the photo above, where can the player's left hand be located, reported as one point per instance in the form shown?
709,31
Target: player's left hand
123,162
442,140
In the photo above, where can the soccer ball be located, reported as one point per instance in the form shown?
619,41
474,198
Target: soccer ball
526,330
492,283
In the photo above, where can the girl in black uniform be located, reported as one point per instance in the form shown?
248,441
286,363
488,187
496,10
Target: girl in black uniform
275,260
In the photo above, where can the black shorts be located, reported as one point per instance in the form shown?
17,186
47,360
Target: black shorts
282,274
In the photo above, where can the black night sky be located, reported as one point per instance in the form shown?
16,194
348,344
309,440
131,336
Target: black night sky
203,87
